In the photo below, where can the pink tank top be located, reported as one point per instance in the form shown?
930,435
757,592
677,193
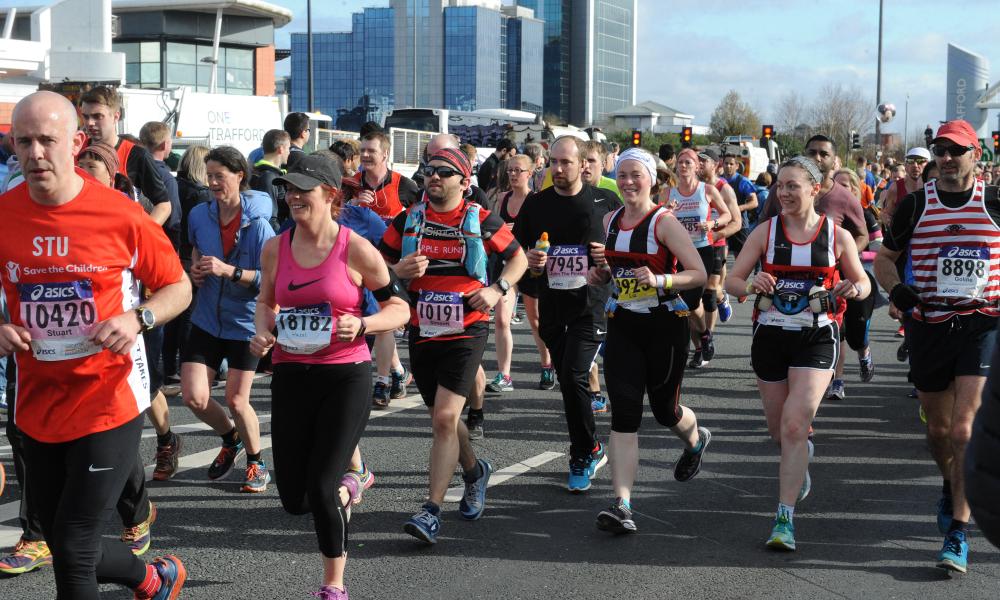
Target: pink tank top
310,300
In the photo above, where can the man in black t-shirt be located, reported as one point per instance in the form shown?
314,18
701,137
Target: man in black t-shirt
572,317
487,175
951,228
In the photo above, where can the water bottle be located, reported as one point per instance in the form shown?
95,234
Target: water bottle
819,297
543,245
763,302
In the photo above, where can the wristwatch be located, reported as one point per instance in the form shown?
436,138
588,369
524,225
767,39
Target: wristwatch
147,320
237,275
503,284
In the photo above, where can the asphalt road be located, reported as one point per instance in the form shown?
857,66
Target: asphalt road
866,531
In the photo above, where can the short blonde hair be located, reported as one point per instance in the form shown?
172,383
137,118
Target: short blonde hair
153,134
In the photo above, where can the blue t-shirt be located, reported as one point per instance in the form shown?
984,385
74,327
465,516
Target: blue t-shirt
743,188
870,179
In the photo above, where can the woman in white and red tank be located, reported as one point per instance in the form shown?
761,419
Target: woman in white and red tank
309,310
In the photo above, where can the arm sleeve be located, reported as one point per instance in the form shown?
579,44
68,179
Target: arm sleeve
142,172
904,221
499,239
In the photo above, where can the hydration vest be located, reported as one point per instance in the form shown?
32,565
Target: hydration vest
474,254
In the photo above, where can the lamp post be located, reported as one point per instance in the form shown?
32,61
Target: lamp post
878,84
309,52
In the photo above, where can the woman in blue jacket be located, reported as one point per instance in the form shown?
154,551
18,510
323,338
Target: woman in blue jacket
227,235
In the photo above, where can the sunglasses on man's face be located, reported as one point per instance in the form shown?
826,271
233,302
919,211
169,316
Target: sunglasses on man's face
442,172
954,151
916,161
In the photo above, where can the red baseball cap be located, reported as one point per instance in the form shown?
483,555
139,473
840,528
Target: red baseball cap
958,131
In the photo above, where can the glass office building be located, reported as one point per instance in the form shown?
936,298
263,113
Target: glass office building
468,55
590,57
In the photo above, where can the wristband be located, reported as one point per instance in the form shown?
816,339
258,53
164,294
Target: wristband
237,275
660,281
362,329
750,287
668,282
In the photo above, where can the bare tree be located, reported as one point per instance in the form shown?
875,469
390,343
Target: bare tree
838,110
733,116
790,112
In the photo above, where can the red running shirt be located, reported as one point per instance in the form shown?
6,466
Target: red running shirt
66,269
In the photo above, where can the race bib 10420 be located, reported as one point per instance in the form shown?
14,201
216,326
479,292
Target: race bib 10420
59,317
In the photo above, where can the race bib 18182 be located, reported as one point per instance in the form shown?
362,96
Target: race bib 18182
305,329
59,317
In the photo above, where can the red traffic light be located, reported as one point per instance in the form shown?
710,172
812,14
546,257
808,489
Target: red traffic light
996,141
768,132
636,137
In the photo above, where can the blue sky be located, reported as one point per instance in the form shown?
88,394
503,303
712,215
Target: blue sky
691,52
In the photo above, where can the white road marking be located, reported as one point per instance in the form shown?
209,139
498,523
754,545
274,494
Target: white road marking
455,494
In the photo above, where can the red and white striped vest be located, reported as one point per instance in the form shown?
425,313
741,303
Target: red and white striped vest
956,258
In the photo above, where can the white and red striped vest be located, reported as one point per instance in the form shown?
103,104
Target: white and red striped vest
637,246
956,258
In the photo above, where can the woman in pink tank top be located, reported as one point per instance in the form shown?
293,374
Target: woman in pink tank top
309,311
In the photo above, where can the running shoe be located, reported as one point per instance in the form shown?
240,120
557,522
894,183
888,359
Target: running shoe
617,518
172,575
836,391
725,309
26,557
579,475
473,501
223,463
424,526
708,346
783,534
517,318
138,537
697,360
902,352
548,379
954,554
500,383
380,395
913,394
474,424
329,592
167,459
689,464
257,478
599,404
364,479
397,389
807,482
598,458
900,332
867,365
742,299
944,514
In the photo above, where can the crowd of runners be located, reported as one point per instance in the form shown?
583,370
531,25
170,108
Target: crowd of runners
121,278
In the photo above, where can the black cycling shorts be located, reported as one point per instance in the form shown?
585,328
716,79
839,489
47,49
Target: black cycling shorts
940,352
202,347
452,364
775,350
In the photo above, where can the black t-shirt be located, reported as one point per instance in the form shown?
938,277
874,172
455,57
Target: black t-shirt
904,220
569,220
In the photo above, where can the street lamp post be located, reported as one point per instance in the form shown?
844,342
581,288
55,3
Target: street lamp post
309,52
878,84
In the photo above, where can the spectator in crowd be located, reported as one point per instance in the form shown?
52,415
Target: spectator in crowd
297,127
489,170
277,147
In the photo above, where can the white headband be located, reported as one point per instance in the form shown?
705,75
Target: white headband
642,157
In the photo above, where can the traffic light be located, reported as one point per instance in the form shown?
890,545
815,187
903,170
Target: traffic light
636,138
855,141
996,142
767,132
686,137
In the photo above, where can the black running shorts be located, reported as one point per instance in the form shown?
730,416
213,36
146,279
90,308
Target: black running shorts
452,364
940,352
775,350
203,347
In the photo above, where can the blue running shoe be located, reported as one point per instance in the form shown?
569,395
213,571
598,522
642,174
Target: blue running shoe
807,482
598,459
944,511
579,475
725,309
172,575
599,404
474,500
424,526
955,553
783,534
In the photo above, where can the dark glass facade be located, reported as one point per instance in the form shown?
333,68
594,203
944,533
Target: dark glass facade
472,66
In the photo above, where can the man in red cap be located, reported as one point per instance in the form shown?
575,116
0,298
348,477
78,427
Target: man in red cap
952,227
440,245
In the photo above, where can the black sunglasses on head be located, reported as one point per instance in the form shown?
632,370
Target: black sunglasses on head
442,172
954,151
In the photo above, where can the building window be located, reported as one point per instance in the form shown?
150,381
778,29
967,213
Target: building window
142,63
186,67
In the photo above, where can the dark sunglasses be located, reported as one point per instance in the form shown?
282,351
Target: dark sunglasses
954,151
442,172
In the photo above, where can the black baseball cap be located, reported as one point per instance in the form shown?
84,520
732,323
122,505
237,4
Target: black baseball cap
709,153
311,171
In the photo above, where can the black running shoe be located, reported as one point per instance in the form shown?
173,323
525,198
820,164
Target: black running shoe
689,464
708,346
616,519
697,361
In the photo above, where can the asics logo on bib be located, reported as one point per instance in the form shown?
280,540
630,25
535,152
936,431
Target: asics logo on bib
958,252
791,285
436,297
50,246
53,292
292,286
564,250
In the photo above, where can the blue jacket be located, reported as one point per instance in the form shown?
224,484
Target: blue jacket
222,308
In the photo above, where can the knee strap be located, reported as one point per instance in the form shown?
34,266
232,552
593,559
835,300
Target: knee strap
709,300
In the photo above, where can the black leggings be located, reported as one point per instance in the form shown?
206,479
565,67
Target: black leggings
857,319
645,354
318,413
74,487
